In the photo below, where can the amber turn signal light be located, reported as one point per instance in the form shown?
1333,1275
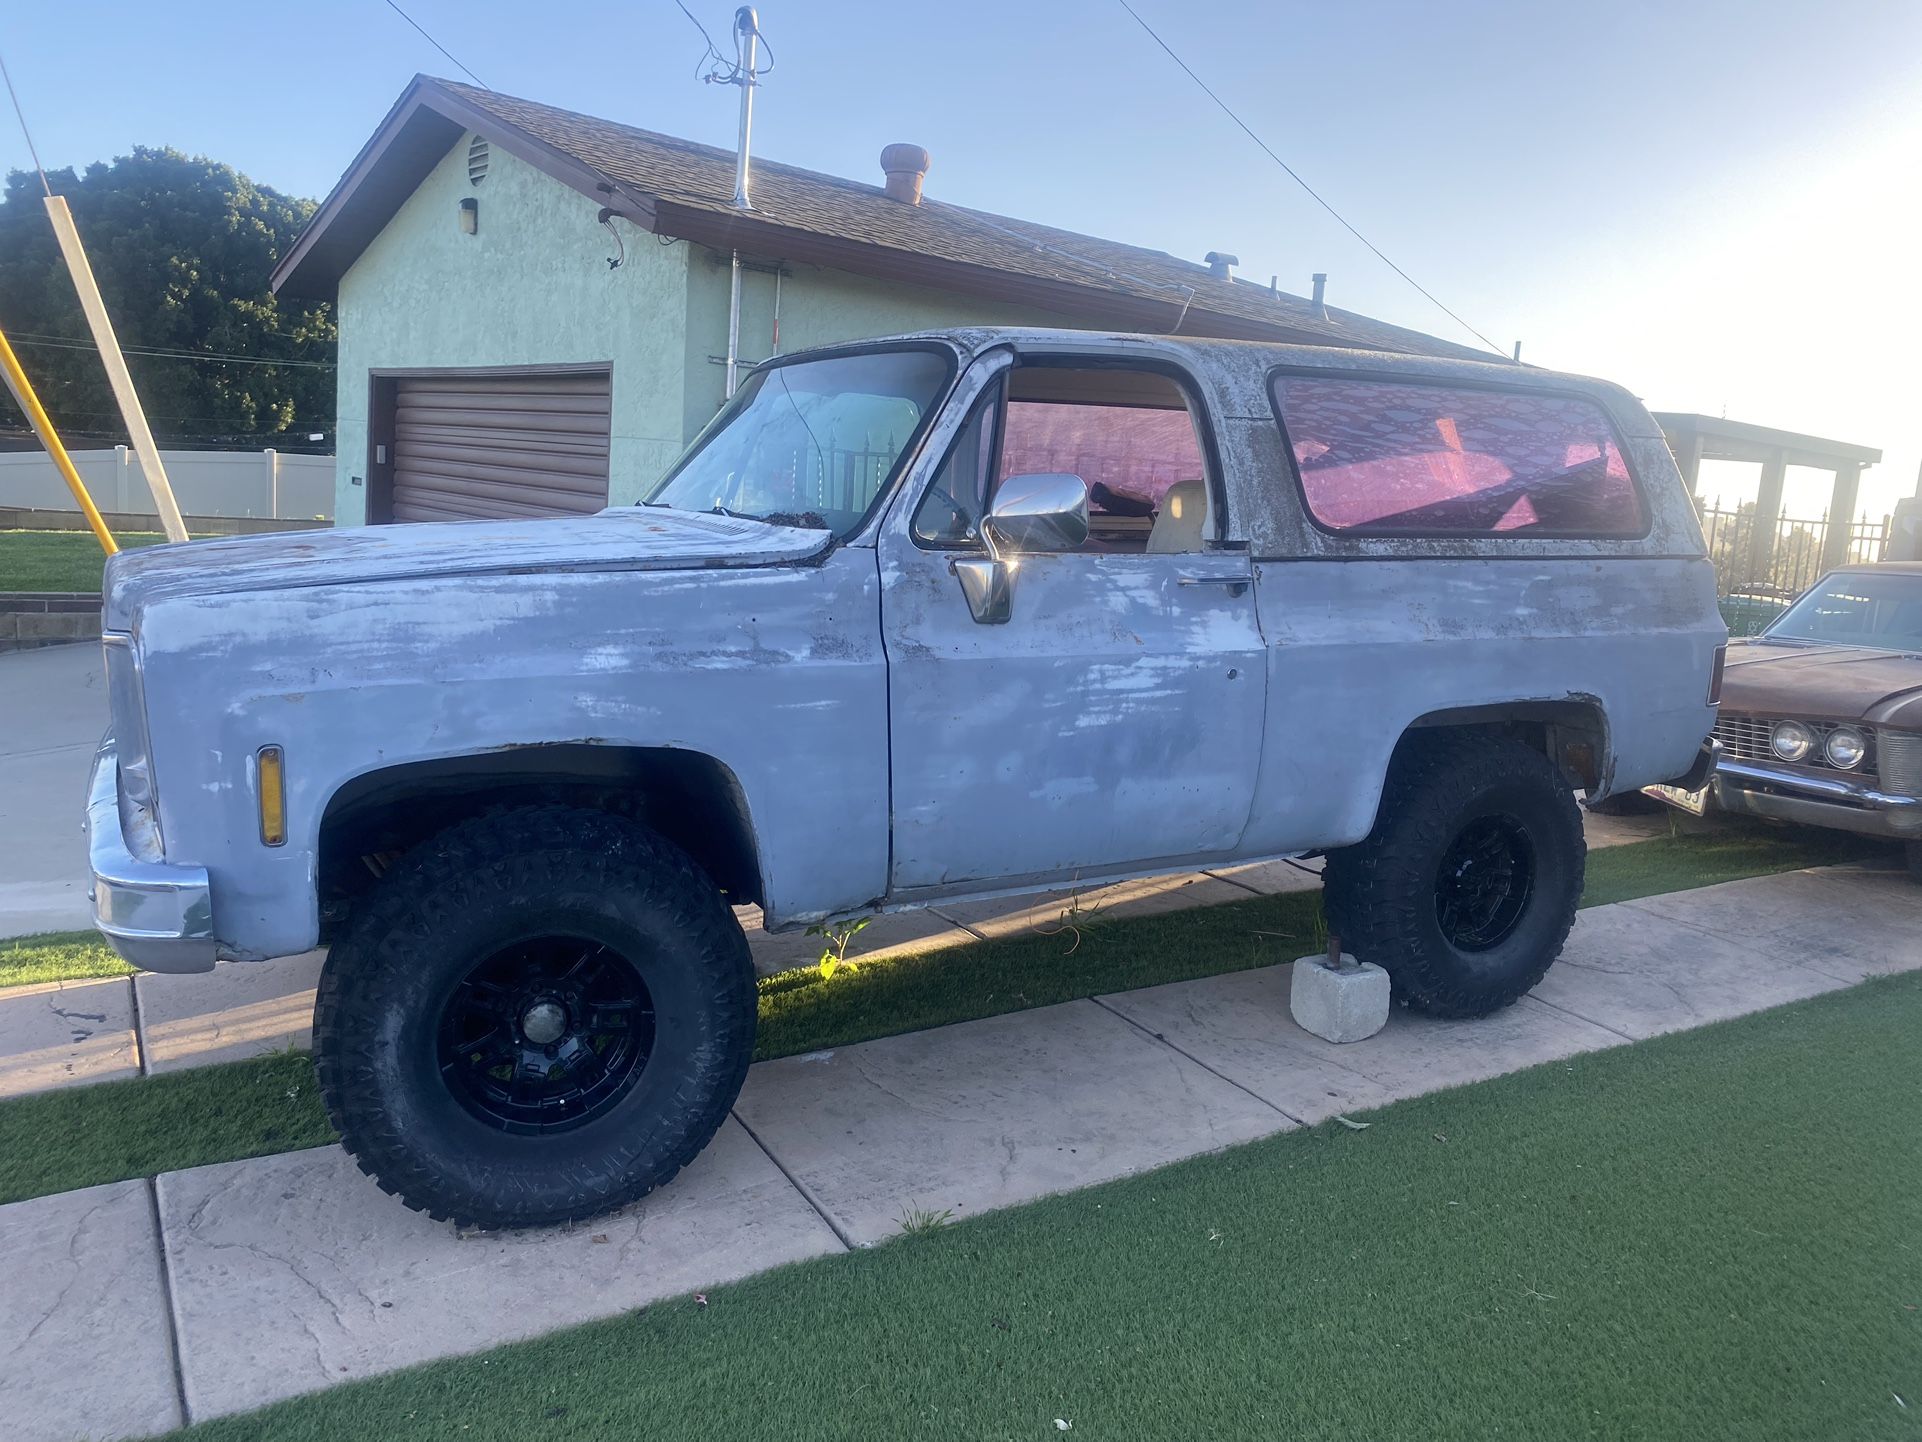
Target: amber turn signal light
273,797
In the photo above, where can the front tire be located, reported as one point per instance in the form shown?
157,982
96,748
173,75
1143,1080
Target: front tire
537,1015
1466,889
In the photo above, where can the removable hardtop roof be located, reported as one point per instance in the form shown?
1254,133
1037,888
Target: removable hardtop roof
1232,378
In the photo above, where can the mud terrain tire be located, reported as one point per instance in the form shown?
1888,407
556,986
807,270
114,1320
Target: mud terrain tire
536,1016
1466,889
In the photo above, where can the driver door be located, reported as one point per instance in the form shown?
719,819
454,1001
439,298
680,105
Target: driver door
1113,721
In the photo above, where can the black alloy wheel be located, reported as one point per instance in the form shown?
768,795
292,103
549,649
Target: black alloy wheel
1466,888
546,1034
1483,886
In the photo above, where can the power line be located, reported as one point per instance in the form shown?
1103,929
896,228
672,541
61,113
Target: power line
31,148
1312,193
438,46
158,353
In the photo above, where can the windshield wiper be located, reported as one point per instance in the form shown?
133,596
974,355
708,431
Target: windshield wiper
721,510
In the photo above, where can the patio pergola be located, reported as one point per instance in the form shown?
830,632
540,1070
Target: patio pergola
1695,439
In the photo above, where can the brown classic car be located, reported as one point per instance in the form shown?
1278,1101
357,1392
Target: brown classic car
1821,718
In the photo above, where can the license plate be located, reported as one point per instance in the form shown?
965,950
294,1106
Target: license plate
1694,802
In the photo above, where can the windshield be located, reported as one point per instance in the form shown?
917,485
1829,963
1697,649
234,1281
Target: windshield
809,444
1858,609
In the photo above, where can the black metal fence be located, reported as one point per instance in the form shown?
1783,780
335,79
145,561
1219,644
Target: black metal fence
1791,561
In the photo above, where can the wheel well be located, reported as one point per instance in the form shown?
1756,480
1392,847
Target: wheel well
1572,733
691,799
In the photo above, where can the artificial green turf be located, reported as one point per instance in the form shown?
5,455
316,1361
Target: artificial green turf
1694,858
59,560
57,956
136,1128
80,1136
1709,1236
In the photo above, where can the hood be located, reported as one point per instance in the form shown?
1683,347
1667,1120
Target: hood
1836,683
620,538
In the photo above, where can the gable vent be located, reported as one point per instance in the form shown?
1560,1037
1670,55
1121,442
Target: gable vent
477,161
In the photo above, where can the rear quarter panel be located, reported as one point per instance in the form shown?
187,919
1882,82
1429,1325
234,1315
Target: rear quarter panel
1359,650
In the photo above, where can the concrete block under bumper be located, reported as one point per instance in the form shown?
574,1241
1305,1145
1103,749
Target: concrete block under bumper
1342,1005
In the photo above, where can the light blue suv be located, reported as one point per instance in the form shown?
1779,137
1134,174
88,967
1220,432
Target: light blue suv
950,615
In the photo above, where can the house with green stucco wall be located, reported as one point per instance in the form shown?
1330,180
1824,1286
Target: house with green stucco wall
534,304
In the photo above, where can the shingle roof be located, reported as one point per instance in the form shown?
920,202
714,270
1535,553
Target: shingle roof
694,185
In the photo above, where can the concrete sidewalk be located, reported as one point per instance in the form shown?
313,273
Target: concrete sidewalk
53,711
225,1287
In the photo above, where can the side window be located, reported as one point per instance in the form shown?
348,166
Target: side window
950,512
1131,436
1390,458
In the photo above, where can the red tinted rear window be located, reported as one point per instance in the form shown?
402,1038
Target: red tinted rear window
1391,458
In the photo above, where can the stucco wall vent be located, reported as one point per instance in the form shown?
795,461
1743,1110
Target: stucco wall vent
477,161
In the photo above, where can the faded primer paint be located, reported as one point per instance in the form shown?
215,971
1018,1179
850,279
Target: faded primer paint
1137,713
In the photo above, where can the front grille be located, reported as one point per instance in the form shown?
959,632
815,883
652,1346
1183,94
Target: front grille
1746,738
1899,760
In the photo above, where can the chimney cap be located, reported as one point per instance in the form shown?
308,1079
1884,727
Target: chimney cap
905,167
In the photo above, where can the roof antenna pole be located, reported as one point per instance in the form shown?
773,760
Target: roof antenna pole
747,32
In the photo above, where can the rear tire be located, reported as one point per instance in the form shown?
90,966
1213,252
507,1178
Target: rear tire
536,1016
1466,889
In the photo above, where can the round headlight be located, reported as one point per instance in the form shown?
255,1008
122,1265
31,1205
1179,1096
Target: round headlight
1791,740
1846,748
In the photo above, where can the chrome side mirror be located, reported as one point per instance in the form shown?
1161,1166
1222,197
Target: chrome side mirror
989,587
1031,514
1043,512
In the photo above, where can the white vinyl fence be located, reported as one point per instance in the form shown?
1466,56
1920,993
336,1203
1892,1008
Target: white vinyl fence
206,483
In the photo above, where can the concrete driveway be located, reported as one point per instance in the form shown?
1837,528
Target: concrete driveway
53,709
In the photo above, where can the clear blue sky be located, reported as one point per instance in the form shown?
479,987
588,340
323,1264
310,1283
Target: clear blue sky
1717,204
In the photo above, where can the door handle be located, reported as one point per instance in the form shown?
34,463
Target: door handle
1235,584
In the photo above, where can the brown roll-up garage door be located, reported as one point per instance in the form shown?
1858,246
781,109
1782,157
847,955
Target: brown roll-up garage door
476,445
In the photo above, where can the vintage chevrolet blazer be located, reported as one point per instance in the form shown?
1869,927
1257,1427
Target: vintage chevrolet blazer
950,615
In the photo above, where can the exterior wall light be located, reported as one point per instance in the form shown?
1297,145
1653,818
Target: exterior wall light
470,216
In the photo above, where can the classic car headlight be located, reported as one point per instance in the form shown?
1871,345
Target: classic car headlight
1791,740
1846,748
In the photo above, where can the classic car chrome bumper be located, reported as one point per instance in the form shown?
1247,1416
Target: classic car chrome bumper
1757,788
159,917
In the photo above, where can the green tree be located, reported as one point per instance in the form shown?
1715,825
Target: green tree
182,248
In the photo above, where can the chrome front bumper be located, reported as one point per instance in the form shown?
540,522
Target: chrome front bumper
1756,788
159,917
